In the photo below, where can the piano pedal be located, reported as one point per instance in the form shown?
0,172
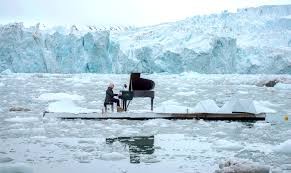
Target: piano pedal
119,109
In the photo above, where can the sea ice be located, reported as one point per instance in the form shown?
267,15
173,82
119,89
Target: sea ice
68,106
59,96
22,119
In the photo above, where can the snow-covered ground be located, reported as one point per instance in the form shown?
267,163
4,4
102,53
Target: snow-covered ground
31,143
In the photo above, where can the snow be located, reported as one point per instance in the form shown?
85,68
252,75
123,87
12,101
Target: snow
251,41
59,96
68,106
284,147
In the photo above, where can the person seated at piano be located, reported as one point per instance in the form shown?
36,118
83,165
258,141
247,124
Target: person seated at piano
109,98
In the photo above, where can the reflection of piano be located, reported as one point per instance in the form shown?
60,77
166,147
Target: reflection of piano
137,145
138,87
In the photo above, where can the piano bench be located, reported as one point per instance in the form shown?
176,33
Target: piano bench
105,106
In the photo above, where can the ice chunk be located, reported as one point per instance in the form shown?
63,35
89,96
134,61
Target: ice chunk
190,93
171,106
283,86
59,96
13,168
5,159
227,145
245,105
232,166
22,119
6,72
112,156
238,105
206,106
68,106
261,107
86,142
284,147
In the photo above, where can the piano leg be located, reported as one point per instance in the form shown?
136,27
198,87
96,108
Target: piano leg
152,103
124,105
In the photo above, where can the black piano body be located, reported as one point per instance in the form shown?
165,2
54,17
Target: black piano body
138,87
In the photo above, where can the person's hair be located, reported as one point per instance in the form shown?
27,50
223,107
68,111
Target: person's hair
111,85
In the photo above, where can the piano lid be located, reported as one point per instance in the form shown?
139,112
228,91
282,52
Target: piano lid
138,83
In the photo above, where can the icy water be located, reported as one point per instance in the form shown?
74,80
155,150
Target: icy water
32,143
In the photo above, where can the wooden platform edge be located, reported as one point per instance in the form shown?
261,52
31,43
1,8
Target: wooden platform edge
173,116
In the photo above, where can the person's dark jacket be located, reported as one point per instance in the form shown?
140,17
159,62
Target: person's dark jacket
109,95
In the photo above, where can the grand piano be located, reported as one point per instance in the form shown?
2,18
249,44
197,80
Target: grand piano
138,87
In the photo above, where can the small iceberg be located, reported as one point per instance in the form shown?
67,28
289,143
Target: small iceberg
206,106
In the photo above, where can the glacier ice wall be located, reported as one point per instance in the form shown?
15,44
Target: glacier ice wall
252,40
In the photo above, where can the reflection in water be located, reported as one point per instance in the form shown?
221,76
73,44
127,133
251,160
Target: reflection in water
137,145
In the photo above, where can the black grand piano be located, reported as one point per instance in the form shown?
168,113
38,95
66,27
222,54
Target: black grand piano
138,87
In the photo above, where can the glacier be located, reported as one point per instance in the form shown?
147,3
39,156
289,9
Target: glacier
249,41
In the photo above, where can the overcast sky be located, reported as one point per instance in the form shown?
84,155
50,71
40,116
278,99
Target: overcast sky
110,12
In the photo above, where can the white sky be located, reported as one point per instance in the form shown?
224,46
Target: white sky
120,12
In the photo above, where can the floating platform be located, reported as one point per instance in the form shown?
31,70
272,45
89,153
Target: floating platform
152,115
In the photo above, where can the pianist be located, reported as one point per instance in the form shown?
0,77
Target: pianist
109,98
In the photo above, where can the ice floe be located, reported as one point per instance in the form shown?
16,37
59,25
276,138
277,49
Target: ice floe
68,106
284,147
59,96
